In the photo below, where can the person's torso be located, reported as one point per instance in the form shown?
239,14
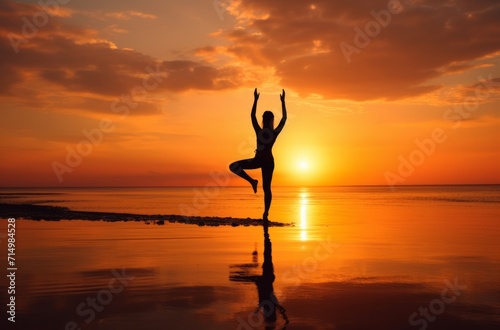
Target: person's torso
265,142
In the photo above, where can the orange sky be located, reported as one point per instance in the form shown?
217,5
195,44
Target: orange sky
126,93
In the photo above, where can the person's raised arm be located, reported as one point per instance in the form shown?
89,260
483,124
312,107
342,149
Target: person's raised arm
255,123
283,115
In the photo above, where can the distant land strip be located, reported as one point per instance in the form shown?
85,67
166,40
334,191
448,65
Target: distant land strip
57,213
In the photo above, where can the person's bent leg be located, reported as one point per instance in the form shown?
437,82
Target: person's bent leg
239,168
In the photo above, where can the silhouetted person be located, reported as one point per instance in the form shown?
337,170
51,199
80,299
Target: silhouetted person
266,136
268,303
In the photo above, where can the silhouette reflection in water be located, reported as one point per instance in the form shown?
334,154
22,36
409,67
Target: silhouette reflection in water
268,304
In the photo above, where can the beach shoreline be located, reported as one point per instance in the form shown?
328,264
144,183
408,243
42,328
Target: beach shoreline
58,213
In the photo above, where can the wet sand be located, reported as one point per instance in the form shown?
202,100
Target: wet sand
57,213
125,275
334,305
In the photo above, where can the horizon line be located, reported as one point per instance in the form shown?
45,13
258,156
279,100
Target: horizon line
287,186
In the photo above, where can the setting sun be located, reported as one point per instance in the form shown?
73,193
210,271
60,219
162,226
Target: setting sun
303,165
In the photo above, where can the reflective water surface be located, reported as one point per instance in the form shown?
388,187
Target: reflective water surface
357,258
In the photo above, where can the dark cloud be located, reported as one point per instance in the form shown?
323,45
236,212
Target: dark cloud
77,60
300,41
184,75
421,40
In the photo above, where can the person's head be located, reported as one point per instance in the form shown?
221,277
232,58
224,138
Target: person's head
268,120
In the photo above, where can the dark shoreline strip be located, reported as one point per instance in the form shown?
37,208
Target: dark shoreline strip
57,213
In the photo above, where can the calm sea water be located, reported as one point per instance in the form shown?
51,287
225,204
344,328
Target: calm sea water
357,258
289,203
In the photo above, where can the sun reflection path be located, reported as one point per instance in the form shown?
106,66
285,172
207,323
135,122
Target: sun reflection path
303,214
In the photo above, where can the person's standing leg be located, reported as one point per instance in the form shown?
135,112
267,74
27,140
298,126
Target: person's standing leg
267,176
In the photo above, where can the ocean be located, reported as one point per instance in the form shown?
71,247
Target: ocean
418,257
289,203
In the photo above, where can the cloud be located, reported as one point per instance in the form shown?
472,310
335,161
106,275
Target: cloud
487,89
114,30
401,47
297,42
126,15
75,63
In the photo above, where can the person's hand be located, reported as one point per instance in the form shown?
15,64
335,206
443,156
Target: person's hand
282,96
255,95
